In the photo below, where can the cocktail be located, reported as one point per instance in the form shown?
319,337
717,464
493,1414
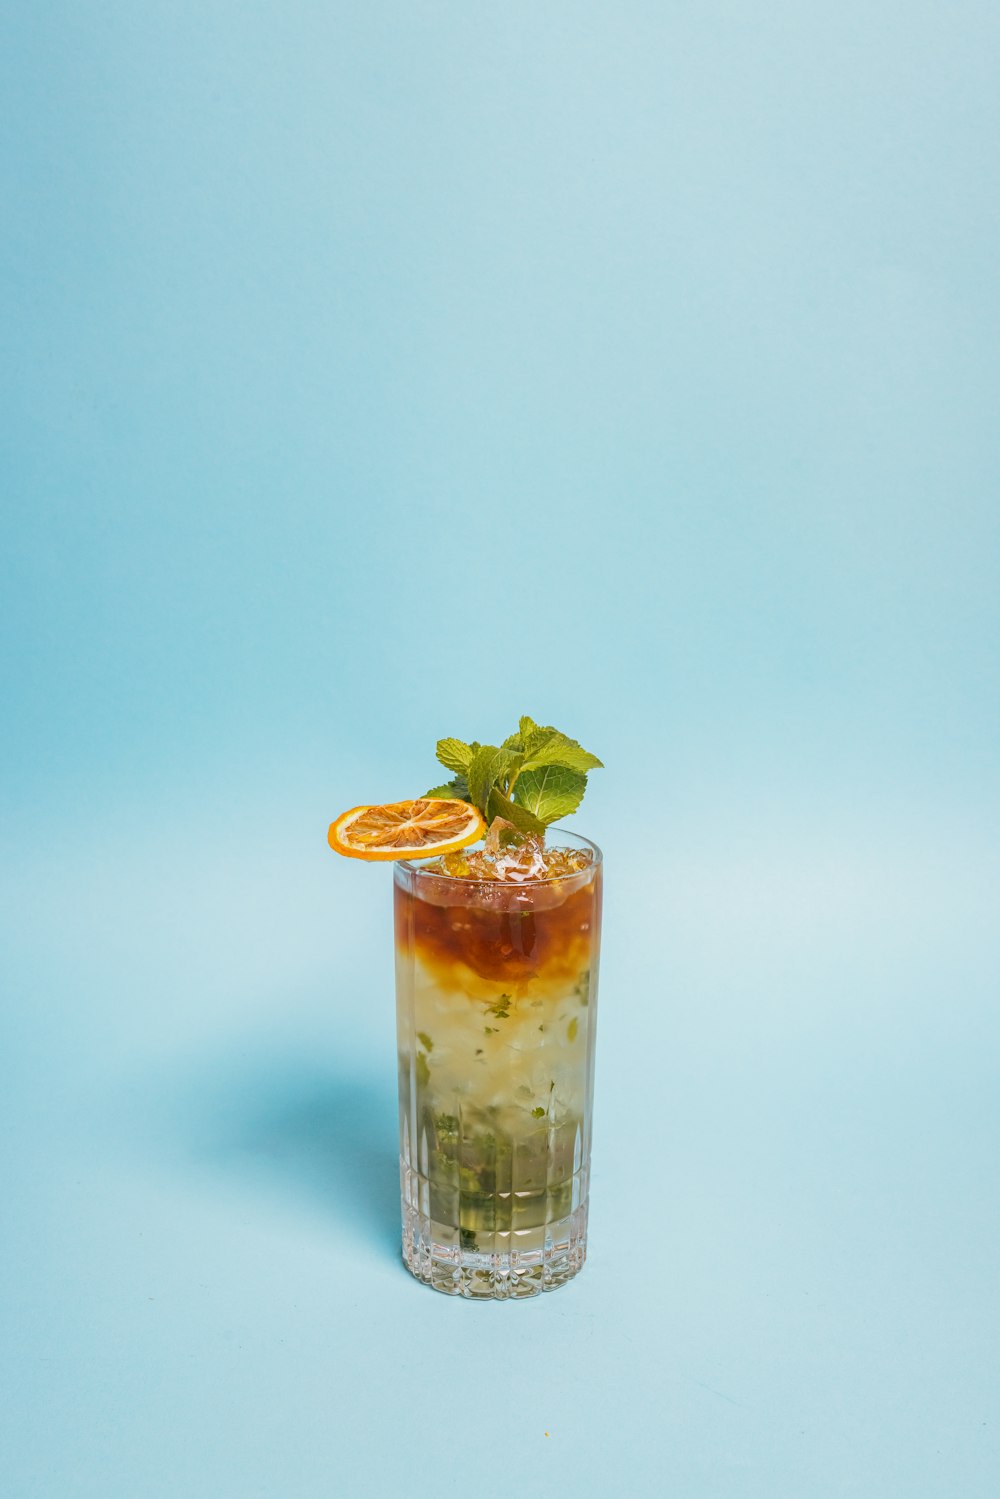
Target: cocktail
497,950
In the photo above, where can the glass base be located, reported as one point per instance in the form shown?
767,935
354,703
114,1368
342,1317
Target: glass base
497,1274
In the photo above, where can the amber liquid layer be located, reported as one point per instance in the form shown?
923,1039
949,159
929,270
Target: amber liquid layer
496,1007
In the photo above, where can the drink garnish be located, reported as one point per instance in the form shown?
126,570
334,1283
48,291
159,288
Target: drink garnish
406,830
521,786
531,780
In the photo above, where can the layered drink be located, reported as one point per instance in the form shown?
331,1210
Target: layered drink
496,982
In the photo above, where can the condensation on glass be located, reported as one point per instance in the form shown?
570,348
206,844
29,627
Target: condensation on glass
496,987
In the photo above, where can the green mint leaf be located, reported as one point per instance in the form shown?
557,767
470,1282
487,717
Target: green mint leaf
513,761
457,790
547,746
551,792
483,770
487,766
455,755
501,806
534,777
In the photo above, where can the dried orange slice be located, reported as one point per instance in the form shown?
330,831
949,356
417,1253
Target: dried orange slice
406,830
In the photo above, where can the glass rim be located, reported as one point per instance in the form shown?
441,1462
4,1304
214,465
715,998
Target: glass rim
418,867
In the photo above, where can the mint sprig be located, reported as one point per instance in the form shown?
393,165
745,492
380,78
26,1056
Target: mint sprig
531,780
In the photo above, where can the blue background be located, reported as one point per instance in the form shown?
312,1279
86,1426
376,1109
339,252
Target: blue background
377,372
